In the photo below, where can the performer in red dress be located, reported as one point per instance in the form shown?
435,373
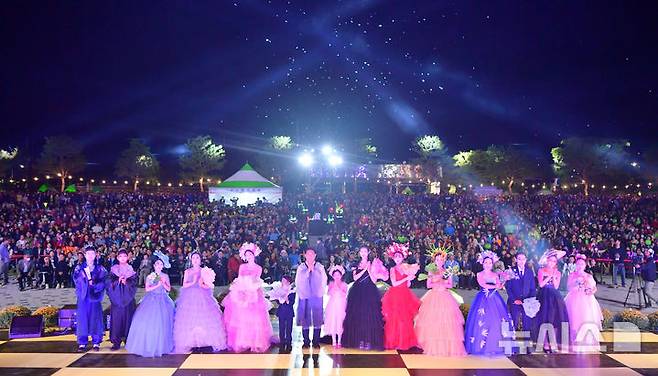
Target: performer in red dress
399,304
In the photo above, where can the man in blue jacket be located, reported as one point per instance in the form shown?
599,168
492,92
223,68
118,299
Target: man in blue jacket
520,287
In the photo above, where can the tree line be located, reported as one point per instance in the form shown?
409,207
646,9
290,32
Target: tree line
584,161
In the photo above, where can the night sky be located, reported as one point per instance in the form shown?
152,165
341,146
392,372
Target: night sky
475,73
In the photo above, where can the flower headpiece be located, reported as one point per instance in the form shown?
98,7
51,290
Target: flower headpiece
580,256
550,253
337,268
487,254
251,247
394,248
440,251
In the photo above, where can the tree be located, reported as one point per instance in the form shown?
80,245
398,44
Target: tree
137,163
432,157
202,158
428,145
497,163
281,143
62,156
591,160
6,159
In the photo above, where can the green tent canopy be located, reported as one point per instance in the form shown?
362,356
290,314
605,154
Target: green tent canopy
70,189
245,187
43,188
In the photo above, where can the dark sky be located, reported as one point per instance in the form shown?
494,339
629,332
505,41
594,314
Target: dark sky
475,73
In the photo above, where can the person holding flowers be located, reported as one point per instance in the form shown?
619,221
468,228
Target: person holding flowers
151,332
488,321
121,289
335,312
440,323
246,309
552,313
363,327
198,320
584,311
399,304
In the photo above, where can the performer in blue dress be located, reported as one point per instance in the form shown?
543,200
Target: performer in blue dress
488,320
151,332
552,313
90,279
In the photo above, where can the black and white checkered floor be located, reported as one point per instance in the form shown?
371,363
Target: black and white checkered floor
57,356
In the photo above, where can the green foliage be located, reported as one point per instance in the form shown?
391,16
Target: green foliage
61,156
7,313
203,157
173,293
137,162
428,145
465,308
281,143
653,321
608,318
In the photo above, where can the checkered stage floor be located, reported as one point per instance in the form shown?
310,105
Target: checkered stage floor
57,355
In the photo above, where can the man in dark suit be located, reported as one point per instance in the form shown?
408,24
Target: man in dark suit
25,270
518,289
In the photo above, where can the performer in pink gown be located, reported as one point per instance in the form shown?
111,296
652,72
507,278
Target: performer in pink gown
440,323
335,311
399,304
246,310
584,311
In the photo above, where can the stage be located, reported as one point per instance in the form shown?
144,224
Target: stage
58,356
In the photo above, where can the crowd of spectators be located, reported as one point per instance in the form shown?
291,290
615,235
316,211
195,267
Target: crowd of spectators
43,232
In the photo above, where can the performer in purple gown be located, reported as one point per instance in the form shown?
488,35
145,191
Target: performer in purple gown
121,289
89,278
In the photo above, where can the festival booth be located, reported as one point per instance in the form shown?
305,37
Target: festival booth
246,187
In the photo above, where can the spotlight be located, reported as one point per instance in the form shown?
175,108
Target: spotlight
327,149
335,160
306,159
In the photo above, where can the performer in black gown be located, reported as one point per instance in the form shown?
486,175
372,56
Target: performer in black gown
363,327
121,290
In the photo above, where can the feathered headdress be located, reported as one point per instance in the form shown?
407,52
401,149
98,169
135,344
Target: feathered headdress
440,251
164,258
550,253
394,248
487,254
337,268
251,247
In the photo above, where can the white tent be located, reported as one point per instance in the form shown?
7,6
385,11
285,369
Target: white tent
246,186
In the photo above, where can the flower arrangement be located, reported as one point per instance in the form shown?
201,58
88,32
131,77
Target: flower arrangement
8,313
507,275
208,276
633,316
464,308
153,278
653,321
249,247
279,292
608,318
378,270
409,269
50,315
394,248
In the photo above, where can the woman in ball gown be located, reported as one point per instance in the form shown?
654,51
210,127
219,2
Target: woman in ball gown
399,304
552,310
364,325
246,309
488,315
198,321
440,323
151,331
584,311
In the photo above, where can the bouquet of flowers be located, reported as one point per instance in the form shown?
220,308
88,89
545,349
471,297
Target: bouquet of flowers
531,306
506,275
153,278
279,292
208,276
244,290
409,269
378,270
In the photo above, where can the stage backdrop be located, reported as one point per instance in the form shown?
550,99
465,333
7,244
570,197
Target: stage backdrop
246,186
